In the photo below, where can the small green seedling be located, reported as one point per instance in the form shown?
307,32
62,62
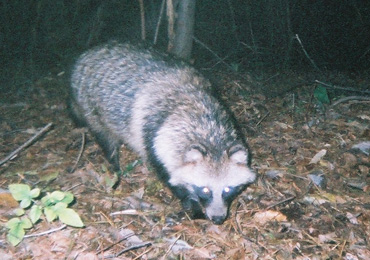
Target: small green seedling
130,167
321,94
54,205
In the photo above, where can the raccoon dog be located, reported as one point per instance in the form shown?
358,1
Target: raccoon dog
164,110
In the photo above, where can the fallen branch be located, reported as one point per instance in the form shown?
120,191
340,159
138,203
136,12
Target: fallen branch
81,151
259,122
342,88
281,202
350,98
134,247
143,253
26,144
170,248
116,243
41,234
46,232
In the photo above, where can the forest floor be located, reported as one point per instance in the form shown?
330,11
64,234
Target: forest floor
311,200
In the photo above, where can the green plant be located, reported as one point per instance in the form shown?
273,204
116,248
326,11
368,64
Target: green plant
321,94
54,205
130,167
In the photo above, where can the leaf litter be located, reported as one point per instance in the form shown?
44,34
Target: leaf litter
311,200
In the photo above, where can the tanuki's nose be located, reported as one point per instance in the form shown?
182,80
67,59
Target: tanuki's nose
218,220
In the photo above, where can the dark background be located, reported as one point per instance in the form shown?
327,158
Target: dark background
248,35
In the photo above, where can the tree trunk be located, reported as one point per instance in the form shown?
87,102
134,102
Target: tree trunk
184,29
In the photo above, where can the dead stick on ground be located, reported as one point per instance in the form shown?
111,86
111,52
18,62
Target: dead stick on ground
350,98
81,151
169,249
281,202
134,247
26,144
46,232
143,253
259,122
342,88
116,243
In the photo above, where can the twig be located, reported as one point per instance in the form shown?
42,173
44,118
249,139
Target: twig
239,229
80,153
259,122
342,88
273,76
46,232
305,52
159,22
281,202
350,98
297,176
169,249
342,247
74,186
143,253
116,243
211,51
134,247
26,144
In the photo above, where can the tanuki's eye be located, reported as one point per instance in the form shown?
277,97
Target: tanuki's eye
206,190
227,189
204,193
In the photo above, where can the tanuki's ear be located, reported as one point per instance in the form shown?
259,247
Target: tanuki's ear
238,154
194,154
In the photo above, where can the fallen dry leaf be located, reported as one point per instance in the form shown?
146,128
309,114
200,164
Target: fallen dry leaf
318,156
263,217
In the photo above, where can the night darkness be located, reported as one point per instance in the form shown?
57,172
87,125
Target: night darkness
254,35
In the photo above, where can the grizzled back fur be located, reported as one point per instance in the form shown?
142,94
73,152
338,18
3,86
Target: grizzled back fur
163,110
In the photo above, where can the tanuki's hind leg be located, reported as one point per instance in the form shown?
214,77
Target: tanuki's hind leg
110,148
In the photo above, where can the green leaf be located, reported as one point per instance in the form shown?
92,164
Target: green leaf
15,236
26,223
70,217
321,94
13,222
59,206
52,211
110,182
16,229
19,191
17,223
50,214
57,195
35,213
35,193
104,168
46,200
19,212
25,203
129,168
234,67
52,198
68,198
